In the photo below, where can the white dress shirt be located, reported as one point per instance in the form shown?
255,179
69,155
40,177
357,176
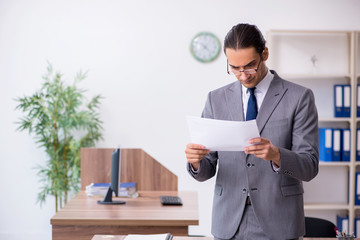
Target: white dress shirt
260,92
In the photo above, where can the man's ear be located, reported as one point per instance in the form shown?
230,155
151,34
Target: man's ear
265,54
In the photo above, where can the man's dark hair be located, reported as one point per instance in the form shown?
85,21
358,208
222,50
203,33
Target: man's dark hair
245,35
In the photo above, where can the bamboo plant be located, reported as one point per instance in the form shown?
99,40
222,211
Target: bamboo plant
61,123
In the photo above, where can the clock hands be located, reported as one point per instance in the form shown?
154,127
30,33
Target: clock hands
205,47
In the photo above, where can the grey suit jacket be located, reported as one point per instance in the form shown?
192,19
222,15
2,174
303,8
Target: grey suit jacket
288,118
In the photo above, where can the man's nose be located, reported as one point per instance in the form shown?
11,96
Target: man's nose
243,76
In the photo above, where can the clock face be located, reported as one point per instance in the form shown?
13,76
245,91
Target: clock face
205,47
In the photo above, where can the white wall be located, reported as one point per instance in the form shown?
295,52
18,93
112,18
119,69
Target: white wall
137,54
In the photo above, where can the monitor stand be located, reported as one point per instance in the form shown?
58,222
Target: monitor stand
108,198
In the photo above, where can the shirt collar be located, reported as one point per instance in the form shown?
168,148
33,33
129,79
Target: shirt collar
263,85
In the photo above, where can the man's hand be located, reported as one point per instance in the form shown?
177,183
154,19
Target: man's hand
194,154
264,149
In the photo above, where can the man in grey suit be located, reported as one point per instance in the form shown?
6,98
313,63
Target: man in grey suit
258,192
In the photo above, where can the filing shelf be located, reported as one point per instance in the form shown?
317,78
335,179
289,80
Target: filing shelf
337,60
326,207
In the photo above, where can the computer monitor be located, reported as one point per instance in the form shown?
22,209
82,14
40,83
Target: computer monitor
115,179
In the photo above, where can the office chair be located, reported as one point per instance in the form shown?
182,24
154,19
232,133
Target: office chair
317,227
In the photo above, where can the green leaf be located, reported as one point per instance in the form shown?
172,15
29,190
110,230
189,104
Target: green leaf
61,122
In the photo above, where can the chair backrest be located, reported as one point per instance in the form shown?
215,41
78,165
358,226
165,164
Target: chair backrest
317,227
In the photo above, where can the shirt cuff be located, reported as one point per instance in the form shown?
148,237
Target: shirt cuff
193,170
275,167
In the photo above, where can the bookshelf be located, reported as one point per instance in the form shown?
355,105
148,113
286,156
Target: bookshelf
318,60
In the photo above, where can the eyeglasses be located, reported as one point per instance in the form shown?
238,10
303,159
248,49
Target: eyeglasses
246,71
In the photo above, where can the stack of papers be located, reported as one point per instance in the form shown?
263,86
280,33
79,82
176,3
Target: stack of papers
128,189
165,236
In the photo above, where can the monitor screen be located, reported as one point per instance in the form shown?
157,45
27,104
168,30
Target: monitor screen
115,179
115,171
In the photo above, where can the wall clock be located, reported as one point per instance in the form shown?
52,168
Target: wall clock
205,47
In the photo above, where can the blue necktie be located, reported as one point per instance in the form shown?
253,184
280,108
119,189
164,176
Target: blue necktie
251,112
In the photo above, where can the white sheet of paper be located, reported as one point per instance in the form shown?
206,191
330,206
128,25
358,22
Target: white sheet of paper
220,135
146,237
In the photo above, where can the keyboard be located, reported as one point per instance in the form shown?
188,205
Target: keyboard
170,200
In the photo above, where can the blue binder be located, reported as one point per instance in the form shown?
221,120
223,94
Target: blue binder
358,103
347,100
357,188
346,145
358,144
336,145
342,223
357,227
338,100
325,144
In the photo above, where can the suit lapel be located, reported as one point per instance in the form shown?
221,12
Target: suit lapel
233,97
272,98
234,102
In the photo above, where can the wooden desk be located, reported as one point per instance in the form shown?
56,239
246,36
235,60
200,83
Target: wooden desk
112,237
82,217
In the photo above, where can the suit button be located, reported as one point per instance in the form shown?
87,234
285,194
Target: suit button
244,190
248,164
